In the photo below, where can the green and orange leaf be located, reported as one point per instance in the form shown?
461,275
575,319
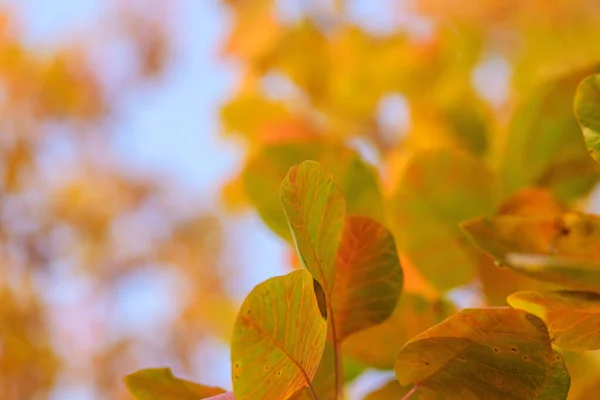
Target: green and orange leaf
558,380
413,315
278,339
161,384
353,258
478,354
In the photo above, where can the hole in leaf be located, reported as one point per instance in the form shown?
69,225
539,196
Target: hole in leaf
321,299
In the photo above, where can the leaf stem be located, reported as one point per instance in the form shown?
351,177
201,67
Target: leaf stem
312,391
337,364
410,392
337,357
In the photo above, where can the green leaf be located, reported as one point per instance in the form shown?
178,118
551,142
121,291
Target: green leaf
558,381
544,147
264,172
572,317
413,314
560,249
161,384
315,209
391,390
278,338
587,111
478,354
437,189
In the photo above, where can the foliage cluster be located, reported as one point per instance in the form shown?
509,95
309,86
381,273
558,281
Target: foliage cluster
478,197
289,337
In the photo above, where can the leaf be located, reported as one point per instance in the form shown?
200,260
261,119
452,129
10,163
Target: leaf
307,70
478,354
587,111
315,210
533,201
264,172
457,123
250,112
544,147
363,68
561,249
324,379
497,282
354,259
254,32
572,317
391,390
367,279
438,189
584,394
558,381
161,384
413,314
278,338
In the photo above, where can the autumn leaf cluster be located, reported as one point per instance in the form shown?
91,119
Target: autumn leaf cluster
479,201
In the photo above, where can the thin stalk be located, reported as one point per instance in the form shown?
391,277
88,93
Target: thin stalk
337,358
410,392
312,391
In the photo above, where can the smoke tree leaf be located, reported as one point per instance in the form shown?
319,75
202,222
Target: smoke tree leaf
264,171
561,249
478,354
413,314
315,210
391,390
367,277
587,111
497,282
437,189
558,381
572,317
543,145
324,380
278,338
161,384
353,258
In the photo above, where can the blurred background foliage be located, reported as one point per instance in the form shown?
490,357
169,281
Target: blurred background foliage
427,112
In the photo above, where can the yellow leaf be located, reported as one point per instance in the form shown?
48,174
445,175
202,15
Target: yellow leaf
278,339
159,383
562,249
572,317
